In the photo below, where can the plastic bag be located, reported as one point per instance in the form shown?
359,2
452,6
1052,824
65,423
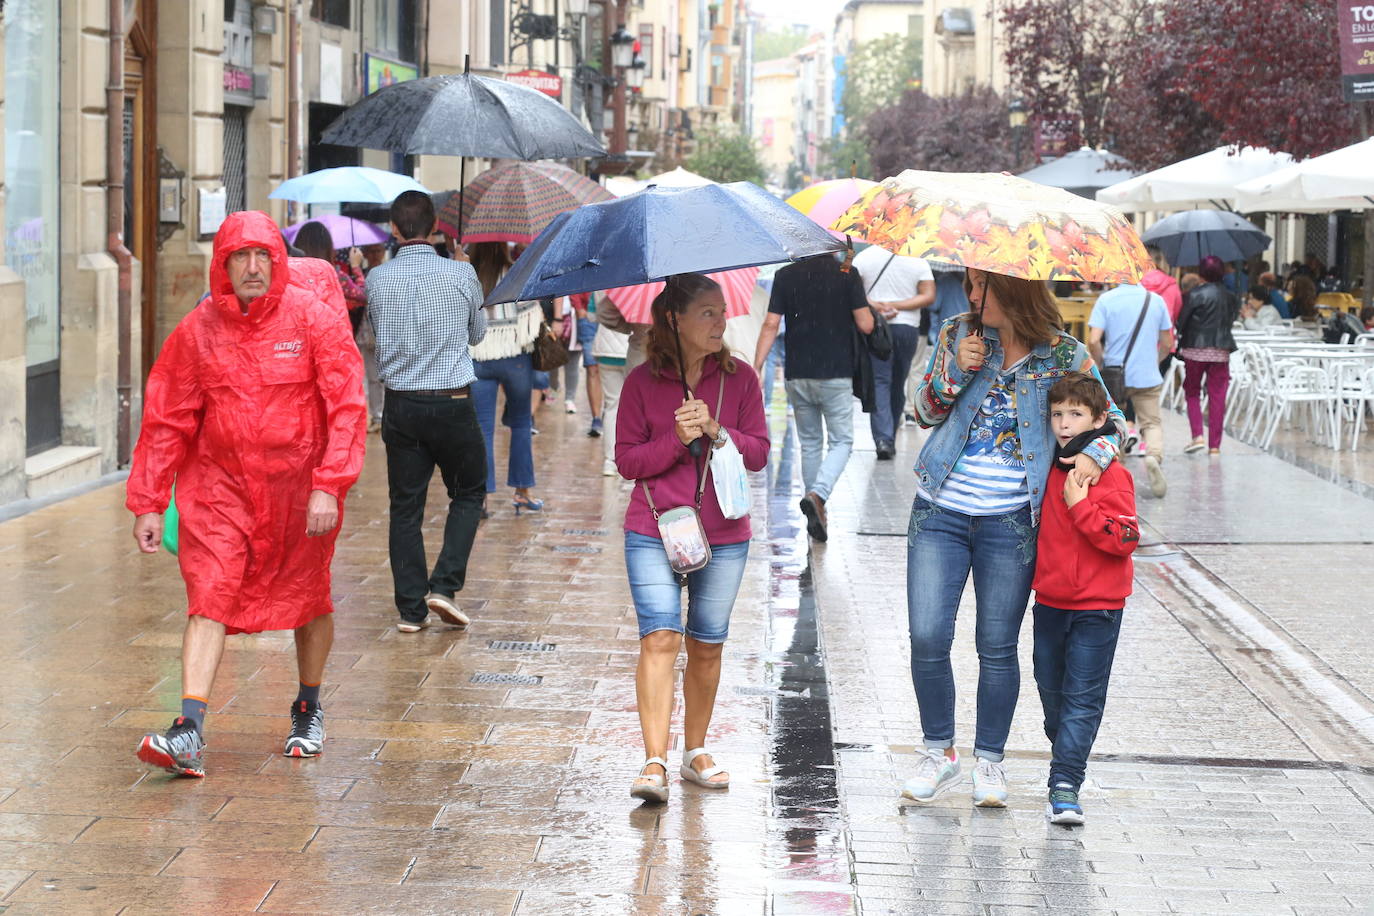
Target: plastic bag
171,525
731,480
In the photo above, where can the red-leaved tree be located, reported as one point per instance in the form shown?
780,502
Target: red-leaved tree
1266,72
959,133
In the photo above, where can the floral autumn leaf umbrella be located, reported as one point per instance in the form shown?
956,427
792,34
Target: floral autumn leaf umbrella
998,223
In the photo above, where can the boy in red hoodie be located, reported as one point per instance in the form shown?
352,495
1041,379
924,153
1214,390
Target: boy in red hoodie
1082,578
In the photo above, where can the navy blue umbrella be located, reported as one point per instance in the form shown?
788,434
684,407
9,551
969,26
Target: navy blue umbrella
1187,237
658,232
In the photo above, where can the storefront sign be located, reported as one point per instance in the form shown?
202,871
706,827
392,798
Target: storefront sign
236,79
380,72
548,83
1356,21
1055,135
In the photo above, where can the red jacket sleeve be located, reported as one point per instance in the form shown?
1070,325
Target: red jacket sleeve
638,453
173,405
1106,517
339,378
749,429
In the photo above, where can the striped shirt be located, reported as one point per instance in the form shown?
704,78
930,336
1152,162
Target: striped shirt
426,311
990,476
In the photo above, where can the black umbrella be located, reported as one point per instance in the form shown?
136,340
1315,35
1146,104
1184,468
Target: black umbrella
1191,235
463,115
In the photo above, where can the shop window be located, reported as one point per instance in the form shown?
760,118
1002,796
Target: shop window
332,12
393,28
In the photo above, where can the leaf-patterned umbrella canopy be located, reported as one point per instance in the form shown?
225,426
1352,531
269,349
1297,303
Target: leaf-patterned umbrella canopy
1000,224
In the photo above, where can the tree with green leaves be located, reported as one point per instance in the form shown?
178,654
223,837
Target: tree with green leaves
773,44
876,75
726,156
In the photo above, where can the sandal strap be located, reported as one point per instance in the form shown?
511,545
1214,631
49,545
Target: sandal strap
693,754
658,780
658,760
710,771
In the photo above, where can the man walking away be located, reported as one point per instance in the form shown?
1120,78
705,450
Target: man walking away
255,409
900,288
425,311
1113,322
822,303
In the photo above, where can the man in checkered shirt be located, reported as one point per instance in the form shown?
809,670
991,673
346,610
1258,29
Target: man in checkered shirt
426,310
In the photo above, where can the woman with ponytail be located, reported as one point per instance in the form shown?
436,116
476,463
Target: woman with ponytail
689,398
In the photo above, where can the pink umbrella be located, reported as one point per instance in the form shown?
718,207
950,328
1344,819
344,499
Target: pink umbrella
826,200
634,302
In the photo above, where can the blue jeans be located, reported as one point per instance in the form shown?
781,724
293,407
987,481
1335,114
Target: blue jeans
657,595
1073,662
775,360
824,411
889,383
943,546
514,375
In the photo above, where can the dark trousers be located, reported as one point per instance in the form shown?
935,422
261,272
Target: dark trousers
420,433
1073,663
889,383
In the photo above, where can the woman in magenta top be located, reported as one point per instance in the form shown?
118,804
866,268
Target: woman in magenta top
655,427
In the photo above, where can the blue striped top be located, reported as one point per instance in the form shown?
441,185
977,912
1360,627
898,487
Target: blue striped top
990,476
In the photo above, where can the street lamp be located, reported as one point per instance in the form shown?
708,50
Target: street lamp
622,47
634,74
579,7
1016,118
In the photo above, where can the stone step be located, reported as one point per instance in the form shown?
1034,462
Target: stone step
61,468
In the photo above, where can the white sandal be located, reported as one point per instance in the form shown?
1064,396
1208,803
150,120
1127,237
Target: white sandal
656,791
702,778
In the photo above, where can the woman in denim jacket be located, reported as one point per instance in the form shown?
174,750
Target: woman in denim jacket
981,480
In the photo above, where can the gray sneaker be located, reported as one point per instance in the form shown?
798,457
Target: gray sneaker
307,731
180,750
447,609
935,775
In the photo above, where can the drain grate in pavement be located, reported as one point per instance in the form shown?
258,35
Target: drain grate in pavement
575,548
519,680
586,532
511,645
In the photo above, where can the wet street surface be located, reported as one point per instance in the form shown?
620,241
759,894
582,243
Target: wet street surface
487,771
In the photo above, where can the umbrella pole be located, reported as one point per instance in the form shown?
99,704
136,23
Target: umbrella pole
462,180
695,447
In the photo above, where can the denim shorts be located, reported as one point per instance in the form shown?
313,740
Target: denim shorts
586,333
710,591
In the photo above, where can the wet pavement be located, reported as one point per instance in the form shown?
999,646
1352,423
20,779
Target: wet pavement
487,771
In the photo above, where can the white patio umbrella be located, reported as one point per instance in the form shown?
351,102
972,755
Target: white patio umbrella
1339,180
678,178
1082,172
1206,180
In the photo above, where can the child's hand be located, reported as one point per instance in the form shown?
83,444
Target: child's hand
1083,469
1075,491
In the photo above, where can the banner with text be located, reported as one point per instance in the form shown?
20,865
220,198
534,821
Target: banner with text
1357,49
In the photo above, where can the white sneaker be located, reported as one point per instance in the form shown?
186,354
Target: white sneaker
570,407
989,784
608,469
935,775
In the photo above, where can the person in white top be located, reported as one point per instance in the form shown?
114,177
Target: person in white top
900,288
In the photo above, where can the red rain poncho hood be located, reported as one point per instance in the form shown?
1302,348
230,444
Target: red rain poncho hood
250,413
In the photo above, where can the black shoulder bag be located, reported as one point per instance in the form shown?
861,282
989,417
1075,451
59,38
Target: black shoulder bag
1114,377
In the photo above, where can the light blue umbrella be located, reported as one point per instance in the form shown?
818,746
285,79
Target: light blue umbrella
347,184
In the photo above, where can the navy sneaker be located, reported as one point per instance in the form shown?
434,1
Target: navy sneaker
597,426
180,750
1063,807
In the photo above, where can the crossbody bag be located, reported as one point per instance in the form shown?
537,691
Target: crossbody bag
680,528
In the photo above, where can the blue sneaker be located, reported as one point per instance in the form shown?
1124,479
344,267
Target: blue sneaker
595,431
1063,806
989,784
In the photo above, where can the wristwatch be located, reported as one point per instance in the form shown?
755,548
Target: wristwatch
721,437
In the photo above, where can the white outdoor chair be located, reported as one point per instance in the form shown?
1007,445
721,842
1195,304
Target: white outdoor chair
1305,392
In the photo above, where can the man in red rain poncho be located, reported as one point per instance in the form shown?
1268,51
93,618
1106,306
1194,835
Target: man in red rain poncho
255,409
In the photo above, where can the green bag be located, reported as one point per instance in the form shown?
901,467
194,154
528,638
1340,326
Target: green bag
171,525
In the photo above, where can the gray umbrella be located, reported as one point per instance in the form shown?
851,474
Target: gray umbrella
1187,237
463,115
1082,171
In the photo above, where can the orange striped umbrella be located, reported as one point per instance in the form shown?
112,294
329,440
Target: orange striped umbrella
635,302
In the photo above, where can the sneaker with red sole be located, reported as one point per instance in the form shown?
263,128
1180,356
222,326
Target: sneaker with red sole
307,730
180,750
